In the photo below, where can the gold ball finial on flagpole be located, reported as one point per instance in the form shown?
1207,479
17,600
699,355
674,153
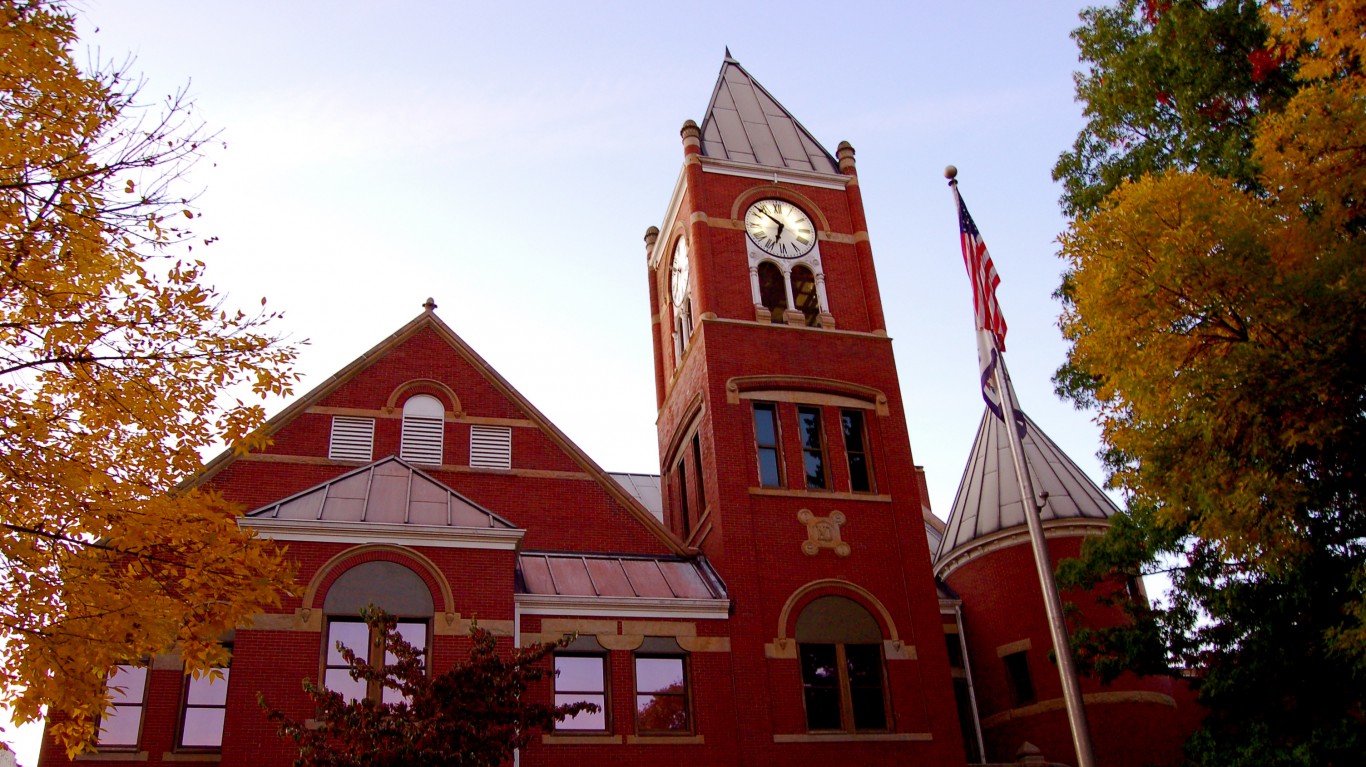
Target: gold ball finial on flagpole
950,172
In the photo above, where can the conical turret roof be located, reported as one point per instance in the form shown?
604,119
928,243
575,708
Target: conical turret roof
988,499
745,123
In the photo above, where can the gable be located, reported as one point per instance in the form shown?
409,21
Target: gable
552,490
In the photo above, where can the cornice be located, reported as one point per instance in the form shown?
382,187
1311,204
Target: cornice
624,607
1015,536
374,532
716,165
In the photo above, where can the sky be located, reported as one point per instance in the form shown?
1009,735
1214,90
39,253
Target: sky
506,159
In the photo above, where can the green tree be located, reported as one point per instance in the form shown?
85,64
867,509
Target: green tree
1216,323
1170,84
114,358
476,713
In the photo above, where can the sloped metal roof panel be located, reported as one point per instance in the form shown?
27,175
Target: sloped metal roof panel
988,498
617,576
390,491
644,488
745,123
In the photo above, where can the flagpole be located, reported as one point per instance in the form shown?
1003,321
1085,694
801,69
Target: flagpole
1057,626
1067,670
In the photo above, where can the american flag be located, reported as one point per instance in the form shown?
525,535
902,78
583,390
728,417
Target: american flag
983,275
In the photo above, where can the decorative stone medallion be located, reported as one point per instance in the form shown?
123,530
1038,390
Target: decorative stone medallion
823,533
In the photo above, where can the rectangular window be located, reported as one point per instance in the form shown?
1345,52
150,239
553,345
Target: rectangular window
856,450
868,704
662,695
684,515
1021,682
697,469
582,678
353,439
491,447
766,438
813,446
206,701
842,687
121,724
358,637
821,687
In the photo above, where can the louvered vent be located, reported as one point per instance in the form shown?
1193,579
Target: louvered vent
491,447
421,439
353,439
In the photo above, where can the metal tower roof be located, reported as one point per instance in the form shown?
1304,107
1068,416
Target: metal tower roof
988,498
745,123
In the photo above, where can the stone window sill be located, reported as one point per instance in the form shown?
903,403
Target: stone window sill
853,737
580,740
784,492
664,740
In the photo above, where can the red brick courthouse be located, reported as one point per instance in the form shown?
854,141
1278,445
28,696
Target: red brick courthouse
778,595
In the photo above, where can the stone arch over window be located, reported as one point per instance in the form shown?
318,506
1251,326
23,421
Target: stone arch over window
438,588
807,389
388,585
835,618
809,593
427,386
753,195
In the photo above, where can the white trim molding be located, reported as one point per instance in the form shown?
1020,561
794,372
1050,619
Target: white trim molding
622,607
432,536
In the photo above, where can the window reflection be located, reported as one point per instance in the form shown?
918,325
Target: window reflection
813,448
661,695
206,700
582,679
121,723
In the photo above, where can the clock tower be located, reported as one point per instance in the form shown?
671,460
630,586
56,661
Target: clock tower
784,451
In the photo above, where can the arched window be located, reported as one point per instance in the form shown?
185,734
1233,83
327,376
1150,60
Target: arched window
804,295
772,292
840,647
390,587
424,424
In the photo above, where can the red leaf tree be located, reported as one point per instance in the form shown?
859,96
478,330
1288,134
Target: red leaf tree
477,713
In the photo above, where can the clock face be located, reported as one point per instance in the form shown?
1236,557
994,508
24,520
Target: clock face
780,229
678,273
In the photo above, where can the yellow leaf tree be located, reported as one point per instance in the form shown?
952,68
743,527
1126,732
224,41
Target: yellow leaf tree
114,359
1218,329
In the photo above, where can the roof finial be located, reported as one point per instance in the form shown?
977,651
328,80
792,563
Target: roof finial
951,173
429,305
728,56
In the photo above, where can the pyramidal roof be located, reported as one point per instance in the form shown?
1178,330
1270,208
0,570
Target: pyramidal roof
388,491
988,499
745,123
